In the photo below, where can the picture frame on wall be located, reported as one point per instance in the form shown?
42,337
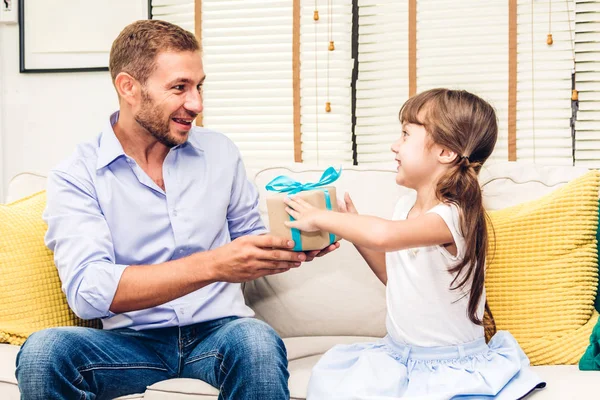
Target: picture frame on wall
73,35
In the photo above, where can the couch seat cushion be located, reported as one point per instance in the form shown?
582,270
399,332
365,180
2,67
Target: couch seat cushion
303,353
567,382
564,381
181,388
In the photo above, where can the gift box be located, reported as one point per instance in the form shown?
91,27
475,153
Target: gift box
319,194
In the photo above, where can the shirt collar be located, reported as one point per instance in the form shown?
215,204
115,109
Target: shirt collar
110,147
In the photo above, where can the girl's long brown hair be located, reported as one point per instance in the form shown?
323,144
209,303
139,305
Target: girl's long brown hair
467,125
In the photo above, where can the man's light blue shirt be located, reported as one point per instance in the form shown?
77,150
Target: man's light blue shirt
104,213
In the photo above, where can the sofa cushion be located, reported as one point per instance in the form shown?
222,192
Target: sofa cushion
31,298
303,353
542,277
180,389
302,347
566,382
25,184
8,357
506,184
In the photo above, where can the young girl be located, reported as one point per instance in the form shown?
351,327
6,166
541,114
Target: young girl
431,257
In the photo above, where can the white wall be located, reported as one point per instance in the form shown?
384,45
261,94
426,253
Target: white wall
43,116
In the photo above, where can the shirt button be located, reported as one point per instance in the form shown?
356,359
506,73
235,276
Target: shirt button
174,213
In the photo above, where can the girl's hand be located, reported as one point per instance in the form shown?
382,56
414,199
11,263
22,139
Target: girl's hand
304,214
347,206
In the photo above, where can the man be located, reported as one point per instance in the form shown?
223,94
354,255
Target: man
153,226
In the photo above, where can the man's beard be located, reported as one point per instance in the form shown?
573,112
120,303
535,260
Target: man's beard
149,118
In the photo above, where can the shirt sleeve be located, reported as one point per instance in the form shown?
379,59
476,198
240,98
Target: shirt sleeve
80,238
450,215
243,216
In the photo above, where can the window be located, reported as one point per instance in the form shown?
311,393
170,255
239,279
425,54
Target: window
587,77
464,45
326,76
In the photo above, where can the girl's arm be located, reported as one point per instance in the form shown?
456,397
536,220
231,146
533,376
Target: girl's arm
375,259
370,232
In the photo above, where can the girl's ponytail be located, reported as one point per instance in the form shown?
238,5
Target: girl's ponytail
460,186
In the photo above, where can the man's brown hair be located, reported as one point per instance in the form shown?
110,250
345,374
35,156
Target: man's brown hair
135,49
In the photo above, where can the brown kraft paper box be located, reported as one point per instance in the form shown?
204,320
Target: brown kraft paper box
277,216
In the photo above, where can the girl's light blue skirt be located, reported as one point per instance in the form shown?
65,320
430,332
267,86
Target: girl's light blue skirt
386,370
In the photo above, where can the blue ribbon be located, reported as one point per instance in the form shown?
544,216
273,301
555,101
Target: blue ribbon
285,184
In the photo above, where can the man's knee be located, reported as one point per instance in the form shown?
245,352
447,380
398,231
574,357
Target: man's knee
255,340
50,345
259,359
45,358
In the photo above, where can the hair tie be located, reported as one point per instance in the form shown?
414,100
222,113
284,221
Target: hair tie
465,164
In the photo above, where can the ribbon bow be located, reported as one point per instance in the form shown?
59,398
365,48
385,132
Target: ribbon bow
285,184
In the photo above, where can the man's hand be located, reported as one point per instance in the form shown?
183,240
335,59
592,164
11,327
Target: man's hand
310,255
251,257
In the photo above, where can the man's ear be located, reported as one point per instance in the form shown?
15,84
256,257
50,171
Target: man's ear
128,88
446,156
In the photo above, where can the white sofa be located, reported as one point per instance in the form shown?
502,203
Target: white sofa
337,299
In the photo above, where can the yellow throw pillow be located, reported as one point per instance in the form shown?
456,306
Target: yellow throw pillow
542,277
31,298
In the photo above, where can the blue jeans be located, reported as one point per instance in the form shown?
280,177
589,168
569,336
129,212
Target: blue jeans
243,357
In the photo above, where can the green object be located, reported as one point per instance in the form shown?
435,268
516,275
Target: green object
591,359
597,302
